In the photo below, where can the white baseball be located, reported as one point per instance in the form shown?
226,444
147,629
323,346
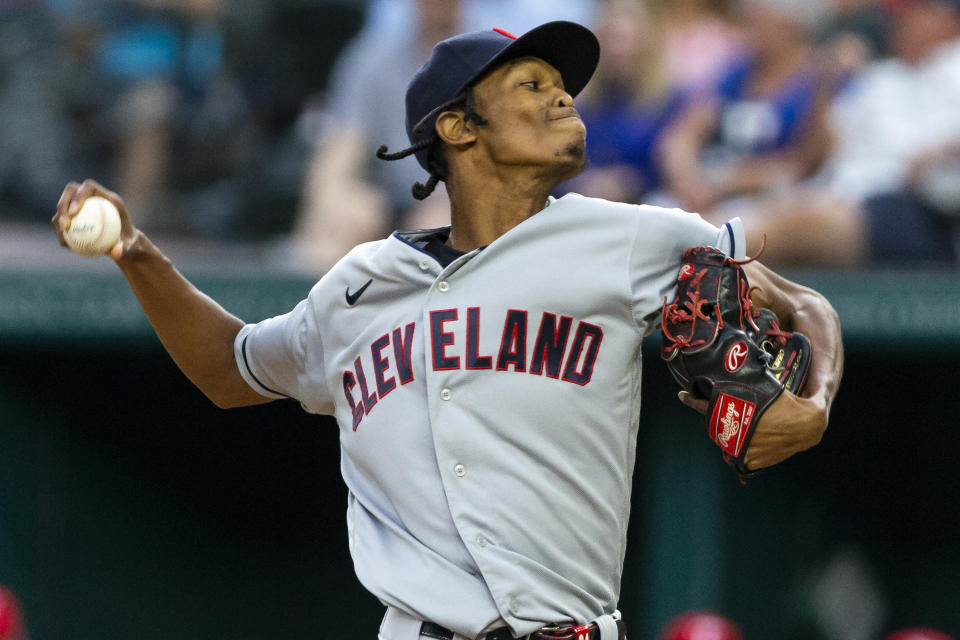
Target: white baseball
95,228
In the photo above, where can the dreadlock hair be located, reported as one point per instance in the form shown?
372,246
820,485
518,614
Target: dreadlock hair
435,161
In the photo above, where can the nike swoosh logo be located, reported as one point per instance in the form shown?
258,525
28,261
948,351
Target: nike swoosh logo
353,297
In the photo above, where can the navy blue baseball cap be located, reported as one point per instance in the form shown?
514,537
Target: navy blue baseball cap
458,62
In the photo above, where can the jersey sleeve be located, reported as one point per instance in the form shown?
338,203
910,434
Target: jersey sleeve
662,237
282,357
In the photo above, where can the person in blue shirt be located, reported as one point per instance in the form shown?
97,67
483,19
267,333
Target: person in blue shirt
628,106
764,124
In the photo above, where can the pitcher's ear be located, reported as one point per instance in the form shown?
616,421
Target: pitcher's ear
455,129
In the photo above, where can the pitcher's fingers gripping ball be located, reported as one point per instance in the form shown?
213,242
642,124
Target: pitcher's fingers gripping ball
95,229
718,347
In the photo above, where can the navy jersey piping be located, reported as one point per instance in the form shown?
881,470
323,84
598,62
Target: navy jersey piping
246,362
418,235
422,240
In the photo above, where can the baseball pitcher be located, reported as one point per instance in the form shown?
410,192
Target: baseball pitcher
485,376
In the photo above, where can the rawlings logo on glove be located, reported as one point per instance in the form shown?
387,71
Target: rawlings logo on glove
718,347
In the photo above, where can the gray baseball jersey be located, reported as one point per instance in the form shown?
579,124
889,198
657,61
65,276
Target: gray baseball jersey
488,409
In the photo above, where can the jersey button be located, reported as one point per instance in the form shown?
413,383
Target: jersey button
460,470
424,265
444,286
481,540
445,394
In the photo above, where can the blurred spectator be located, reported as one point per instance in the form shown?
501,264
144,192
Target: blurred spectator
36,148
189,106
699,41
890,190
881,143
856,33
764,125
349,195
182,128
626,106
133,91
516,16
12,623
919,633
282,53
701,625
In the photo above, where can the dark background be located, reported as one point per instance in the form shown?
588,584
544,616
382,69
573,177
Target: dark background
130,507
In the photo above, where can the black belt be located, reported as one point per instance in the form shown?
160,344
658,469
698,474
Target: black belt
431,630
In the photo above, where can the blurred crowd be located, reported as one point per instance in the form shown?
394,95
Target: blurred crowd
832,127
190,108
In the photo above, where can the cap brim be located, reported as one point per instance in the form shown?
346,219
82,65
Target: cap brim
570,48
